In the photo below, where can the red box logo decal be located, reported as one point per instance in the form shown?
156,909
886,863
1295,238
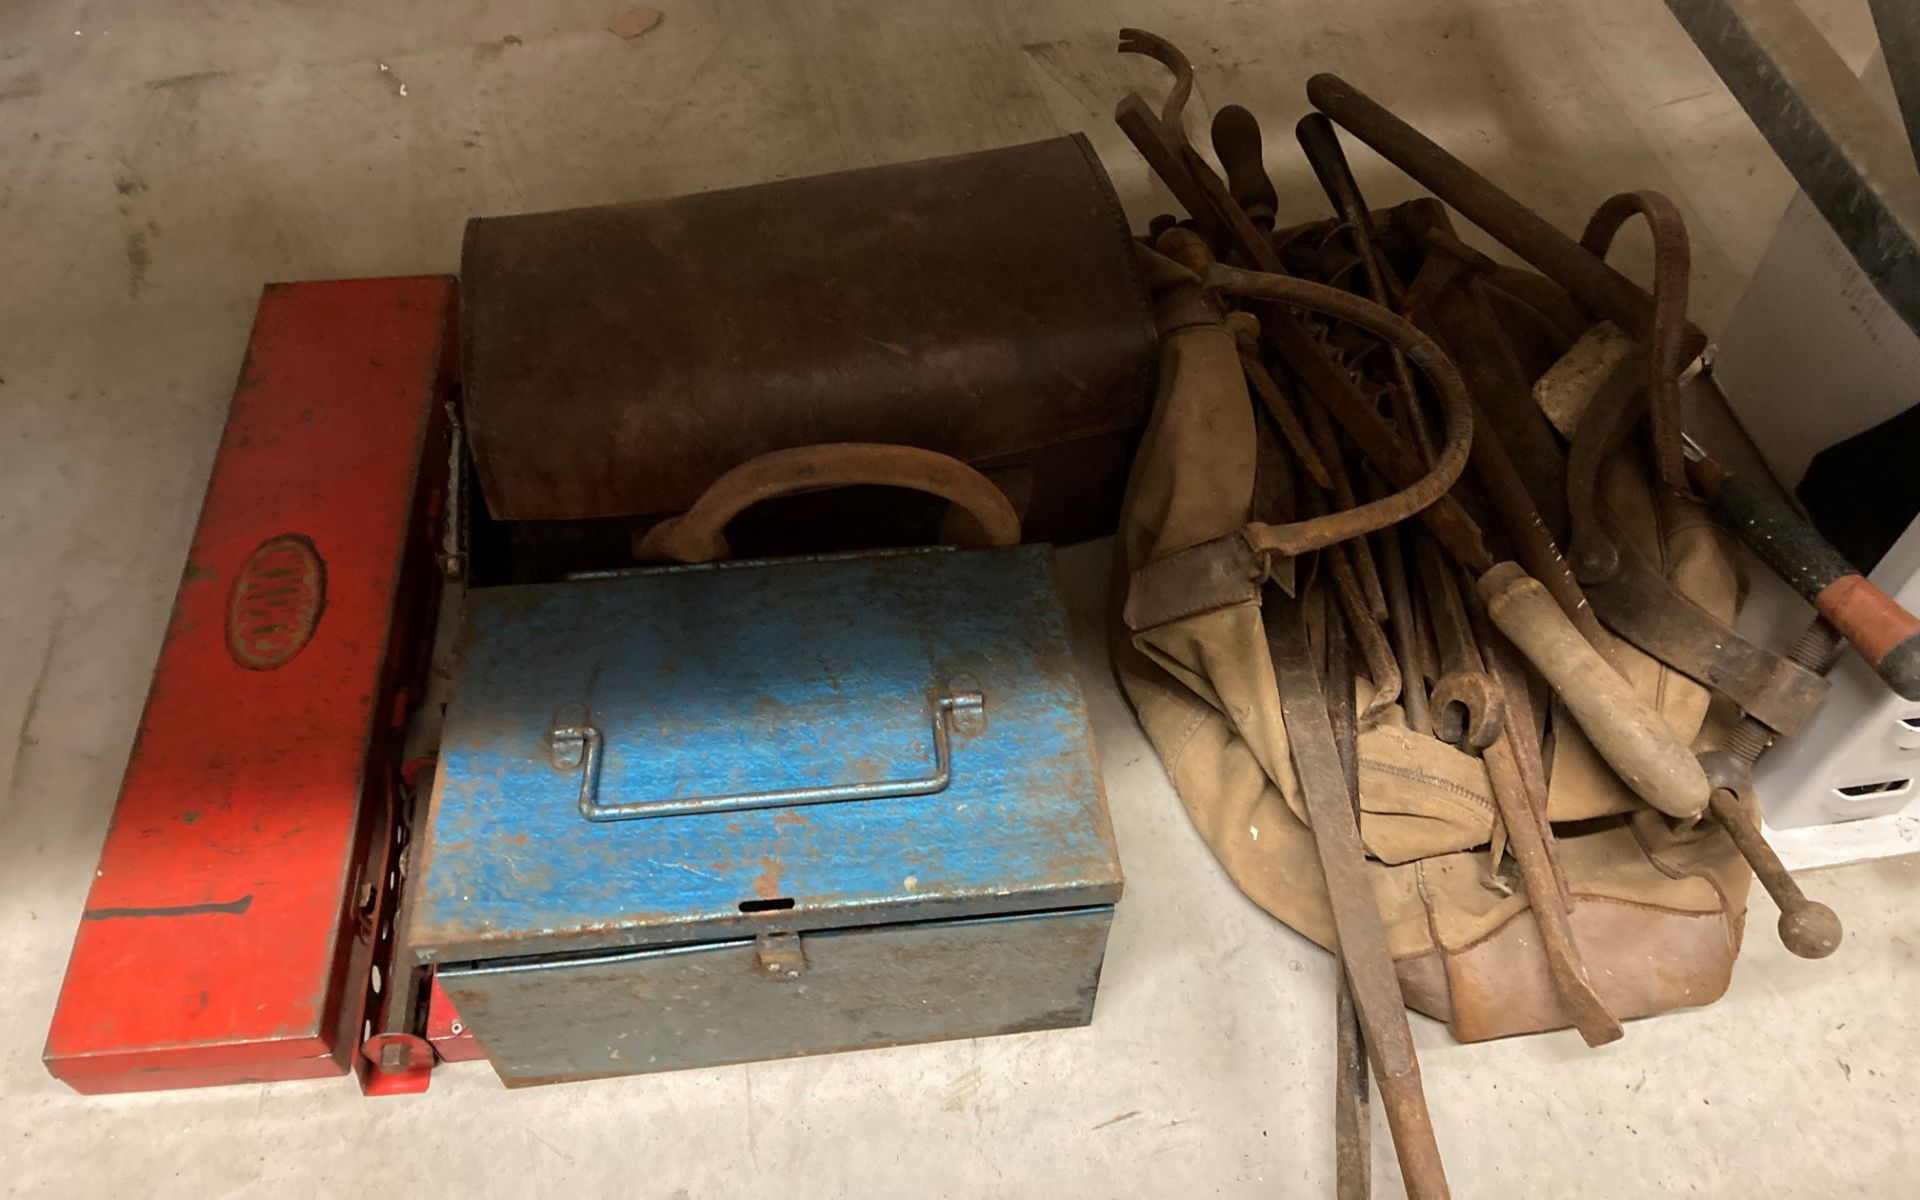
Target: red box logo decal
276,602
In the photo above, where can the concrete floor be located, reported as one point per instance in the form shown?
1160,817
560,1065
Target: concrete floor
166,159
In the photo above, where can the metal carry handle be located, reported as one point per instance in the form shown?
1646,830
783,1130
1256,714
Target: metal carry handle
981,516
580,744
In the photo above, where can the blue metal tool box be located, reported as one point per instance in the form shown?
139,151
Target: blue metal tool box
702,815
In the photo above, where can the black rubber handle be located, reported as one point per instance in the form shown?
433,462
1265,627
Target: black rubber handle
1885,634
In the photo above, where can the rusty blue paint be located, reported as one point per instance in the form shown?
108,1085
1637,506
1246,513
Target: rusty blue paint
751,678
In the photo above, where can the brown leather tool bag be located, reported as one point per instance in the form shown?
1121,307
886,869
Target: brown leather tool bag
987,306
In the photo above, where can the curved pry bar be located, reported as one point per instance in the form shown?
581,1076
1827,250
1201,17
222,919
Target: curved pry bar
1620,402
1666,336
1170,56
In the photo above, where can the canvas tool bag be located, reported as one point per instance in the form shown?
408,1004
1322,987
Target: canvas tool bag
1657,913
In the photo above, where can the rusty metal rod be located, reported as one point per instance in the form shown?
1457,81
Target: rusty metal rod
1245,328
1284,418
1529,838
1425,485
1533,546
1403,625
1506,494
1382,667
1519,228
1321,145
1366,575
1504,664
1808,928
1666,339
1206,198
1502,391
1365,954
1352,1117
1589,1013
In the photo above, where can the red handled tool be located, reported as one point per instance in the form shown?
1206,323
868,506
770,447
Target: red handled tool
1885,634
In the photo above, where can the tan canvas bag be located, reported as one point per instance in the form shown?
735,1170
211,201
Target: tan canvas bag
1657,914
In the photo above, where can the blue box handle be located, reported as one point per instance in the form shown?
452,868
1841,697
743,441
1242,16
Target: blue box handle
580,743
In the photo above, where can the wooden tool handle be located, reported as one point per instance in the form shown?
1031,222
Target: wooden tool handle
1885,634
981,515
1627,732
1236,141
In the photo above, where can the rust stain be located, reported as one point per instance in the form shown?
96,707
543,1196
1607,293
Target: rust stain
865,769
766,885
789,817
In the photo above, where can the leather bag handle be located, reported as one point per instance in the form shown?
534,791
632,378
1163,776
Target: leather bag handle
981,515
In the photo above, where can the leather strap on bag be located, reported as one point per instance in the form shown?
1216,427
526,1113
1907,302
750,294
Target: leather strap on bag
981,515
1215,574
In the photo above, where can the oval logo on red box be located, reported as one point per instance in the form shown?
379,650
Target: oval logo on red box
276,602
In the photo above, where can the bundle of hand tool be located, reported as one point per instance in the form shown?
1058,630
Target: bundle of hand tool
1508,785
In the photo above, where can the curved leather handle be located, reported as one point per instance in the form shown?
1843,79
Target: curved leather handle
981,516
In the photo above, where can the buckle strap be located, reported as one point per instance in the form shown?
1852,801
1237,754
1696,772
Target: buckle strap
1212,575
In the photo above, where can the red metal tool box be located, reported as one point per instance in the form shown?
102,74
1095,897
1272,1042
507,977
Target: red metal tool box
243,887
